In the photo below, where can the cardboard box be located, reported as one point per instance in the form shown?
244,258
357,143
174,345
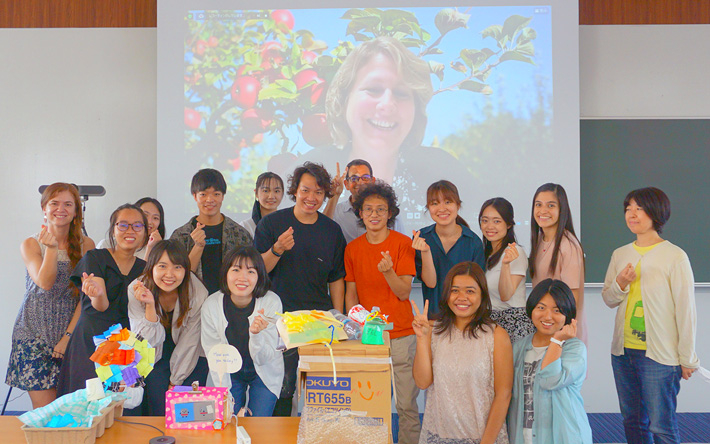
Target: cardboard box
363,378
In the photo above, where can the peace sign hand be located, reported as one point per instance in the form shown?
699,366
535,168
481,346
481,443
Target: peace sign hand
386,263
510,254
91,287
420,324
259,324
337,182
419,243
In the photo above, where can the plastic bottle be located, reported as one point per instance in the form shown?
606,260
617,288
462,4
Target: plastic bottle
352,328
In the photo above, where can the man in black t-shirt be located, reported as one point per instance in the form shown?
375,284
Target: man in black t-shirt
210,235
303,252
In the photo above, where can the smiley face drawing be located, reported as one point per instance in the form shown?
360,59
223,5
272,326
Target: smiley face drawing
202,411
184,413
369,388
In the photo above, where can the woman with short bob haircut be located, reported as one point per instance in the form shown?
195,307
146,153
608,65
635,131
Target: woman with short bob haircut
550,367
238,315
164,306
651,282
466,366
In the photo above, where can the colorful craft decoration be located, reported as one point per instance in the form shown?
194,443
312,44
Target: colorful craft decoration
122,358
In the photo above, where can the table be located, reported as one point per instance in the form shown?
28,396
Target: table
261,431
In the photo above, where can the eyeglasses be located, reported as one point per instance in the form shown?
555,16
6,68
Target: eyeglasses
123,226
378,211
355,179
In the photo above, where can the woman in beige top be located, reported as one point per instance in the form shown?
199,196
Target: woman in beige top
555,251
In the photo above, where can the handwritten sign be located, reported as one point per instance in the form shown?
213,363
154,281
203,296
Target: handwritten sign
224,359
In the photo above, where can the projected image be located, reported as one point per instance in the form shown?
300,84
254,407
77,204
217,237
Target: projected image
423,94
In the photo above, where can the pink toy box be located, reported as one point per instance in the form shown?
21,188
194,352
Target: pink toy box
198,408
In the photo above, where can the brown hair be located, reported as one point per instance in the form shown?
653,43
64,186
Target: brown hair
114,220
177,255
481,317
314,169
414,72
76,239
449,191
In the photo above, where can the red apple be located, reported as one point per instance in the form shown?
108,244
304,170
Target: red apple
302,78
212,42
192,118
245,91
315,130
236,163
200,47
271,52
253,122
283,16
309,57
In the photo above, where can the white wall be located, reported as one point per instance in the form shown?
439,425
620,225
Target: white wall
79,105
76,105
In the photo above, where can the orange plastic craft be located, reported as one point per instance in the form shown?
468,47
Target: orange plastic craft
120,336
104,353
122,357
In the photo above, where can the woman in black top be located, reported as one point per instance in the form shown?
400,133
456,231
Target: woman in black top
103,276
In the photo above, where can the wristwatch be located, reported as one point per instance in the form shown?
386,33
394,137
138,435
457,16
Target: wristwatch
557,341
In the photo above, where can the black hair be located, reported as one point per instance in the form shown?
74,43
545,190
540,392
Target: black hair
357,162
565,227
240,255
655,204
505,209
161,227
263,177
208,178
449,191
113,220
560,292
481,317
314,169
177,255
379,189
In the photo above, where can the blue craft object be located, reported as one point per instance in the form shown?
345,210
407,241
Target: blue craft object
59,421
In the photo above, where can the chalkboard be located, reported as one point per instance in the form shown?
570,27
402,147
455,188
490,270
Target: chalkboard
618,156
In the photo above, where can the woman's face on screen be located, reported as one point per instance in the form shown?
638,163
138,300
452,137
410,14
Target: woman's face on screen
380,111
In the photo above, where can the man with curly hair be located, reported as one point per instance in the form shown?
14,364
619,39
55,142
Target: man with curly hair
379,269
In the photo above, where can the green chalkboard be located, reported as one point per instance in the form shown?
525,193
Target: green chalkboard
618,156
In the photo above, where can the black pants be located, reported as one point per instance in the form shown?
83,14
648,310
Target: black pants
284,403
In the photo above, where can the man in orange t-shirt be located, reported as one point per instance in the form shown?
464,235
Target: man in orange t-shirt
379,268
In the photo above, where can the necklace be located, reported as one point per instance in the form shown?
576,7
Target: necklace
546,246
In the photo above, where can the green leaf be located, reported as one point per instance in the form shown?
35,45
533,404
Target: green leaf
470,85
515,55
210,78
526,49
324,60
360,37
354,13
287,85
449,19
368,23
273,92
474,57
374,12
494,31
411,42
526,35
437,69
513,24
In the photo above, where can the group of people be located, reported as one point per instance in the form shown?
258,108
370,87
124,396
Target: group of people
498,365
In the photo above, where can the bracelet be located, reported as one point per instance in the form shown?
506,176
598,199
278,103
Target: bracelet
273,251
557,341
67,334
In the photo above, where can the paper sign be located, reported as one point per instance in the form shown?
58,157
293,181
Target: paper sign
94,389
104,372
144,368
224,359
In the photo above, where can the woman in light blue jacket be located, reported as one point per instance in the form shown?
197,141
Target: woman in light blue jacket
550,367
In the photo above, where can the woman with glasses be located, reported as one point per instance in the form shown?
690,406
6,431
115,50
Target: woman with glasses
103,276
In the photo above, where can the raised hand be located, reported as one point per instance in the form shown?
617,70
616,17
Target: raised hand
46,238
155,237
420,324
91,287
198,235
419,243
285,242
337,182
142,294
259,323
510,254
626,276
569,331
386,263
